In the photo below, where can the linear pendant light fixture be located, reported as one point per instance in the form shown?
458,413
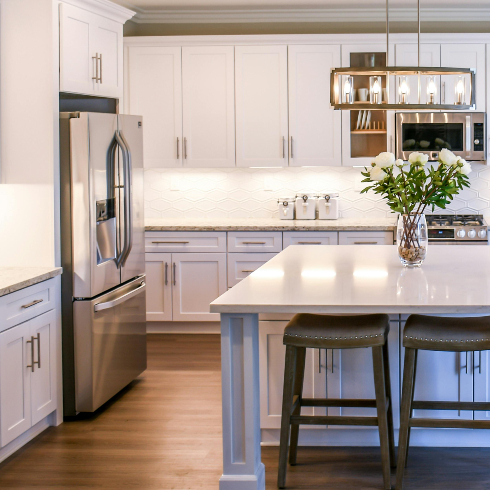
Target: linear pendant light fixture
422,79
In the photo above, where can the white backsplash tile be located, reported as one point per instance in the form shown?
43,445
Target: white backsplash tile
240,193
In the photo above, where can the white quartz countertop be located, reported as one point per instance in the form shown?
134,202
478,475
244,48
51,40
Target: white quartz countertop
15,278
270,224
364,279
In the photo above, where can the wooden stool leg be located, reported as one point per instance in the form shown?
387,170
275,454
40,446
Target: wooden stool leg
299,374
287,401
380,388
391,435
406,409
411,404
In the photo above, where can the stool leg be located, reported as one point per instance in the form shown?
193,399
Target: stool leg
287,401
380,388
391,435
411,404
405,411
299,373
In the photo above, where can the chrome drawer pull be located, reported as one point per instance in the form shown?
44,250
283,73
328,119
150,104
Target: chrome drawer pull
309,243
32,303
254,243
38,338
172,242
365,243
175,274
166,273
253,270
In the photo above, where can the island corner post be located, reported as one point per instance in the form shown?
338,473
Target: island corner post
242,465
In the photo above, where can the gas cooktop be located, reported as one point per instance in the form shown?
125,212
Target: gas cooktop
457,227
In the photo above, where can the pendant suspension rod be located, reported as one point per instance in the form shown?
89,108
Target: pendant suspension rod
387,34
418,30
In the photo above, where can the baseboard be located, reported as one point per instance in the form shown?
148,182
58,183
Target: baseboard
24,438
184,327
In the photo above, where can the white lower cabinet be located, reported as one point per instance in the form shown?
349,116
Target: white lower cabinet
27,375
241,265
180,286
309,238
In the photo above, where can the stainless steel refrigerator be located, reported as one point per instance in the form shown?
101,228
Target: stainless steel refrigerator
102,246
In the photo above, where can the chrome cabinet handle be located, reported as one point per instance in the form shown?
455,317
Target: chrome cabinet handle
32,353
96,58
253,243
185,148
38,338
291,147
283,147
248,270
166,273
443,92
309,243
100,61
365,243
32,303
181,241
175,275
177,147
468,136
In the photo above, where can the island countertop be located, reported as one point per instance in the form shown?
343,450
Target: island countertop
270,224
364,279
15,278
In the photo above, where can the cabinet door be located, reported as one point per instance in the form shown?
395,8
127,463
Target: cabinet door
197,280
261,106
240,265
77,65
272,354
464,56
15,382
442,376
309,238
407,55
43,379
158,287
154,91
108,43
350,375
208,80
365,238
314,127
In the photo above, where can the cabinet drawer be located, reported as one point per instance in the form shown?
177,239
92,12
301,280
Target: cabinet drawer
365,238
27,303
243,241
241,265
173,241
309,238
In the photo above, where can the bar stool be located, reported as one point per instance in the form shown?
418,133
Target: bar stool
335,332
437,334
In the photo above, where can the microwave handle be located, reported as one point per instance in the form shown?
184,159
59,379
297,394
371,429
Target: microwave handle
468,136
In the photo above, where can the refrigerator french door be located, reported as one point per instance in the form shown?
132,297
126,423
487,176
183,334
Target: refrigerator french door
102,241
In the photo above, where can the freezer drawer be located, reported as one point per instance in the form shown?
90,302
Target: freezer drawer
110,343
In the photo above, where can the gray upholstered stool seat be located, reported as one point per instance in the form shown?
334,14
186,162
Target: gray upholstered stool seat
447,334
335,332
434,333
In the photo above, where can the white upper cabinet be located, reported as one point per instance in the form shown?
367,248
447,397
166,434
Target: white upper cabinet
314,127
154,91
261,106
91,58
407,55
208,106
464,56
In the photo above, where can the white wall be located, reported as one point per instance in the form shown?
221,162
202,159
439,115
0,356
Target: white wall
28,128
241,193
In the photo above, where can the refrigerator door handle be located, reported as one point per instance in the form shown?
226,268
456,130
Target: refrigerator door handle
121,299
128,220
112,186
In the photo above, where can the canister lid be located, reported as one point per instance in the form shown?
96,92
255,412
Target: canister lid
286,199
330,194
305,195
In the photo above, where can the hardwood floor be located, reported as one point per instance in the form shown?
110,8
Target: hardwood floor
164,432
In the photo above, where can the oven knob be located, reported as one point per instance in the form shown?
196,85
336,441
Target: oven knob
471,233
482,233
461,233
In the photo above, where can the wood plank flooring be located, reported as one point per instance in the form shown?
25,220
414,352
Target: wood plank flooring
164,432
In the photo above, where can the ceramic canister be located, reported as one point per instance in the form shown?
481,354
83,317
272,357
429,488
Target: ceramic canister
328,205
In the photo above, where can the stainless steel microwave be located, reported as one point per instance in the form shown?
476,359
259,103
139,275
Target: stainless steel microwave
464,133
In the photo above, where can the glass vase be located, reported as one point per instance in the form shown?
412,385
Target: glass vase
412,239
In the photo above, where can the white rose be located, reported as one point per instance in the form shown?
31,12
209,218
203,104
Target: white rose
448,157
417,158
399,163
377,173
385,159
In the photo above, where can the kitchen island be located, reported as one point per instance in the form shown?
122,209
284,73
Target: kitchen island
342,280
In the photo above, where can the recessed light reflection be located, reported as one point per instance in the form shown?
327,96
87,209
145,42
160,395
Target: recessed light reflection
318,273
370,273
268,273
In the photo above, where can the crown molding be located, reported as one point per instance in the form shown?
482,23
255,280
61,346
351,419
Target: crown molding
105,8
207,16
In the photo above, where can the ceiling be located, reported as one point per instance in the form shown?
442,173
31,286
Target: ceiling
153,11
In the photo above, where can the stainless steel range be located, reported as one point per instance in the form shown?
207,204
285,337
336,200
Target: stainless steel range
459,229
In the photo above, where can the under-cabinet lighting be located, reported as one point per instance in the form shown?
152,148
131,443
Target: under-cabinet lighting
318,273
